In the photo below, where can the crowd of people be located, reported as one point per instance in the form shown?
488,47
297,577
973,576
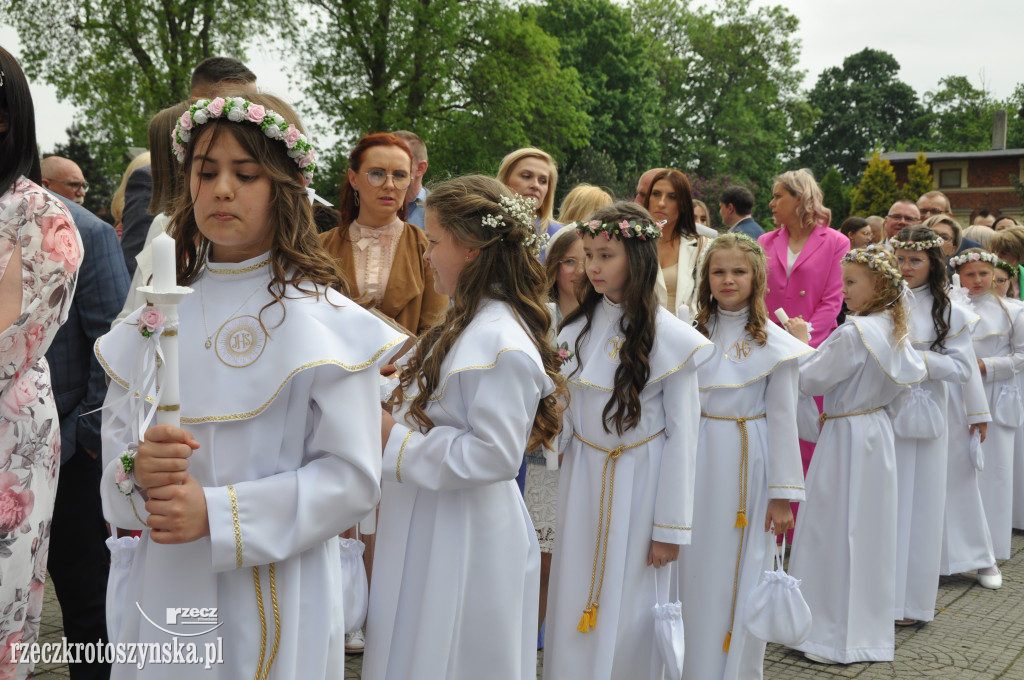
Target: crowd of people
539,427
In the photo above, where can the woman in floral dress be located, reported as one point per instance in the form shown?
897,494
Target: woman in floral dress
39,255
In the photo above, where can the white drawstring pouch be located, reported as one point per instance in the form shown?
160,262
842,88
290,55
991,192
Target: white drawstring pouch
668,627
1008,409
808,420
122,556
977,455
354,590
776,610
919,416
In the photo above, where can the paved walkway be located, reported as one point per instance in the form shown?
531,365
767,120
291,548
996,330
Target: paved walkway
977,634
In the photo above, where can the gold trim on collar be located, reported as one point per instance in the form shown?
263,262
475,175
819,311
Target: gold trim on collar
256,411
586,383
243,270
448,375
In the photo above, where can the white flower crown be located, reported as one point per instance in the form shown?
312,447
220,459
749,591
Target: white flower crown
962,259
520,209
876,261
916,245
642,230
239,110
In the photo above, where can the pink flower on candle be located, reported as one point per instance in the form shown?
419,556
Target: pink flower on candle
151,322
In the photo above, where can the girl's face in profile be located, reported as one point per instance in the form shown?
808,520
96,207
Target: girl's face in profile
858,286
862,237
731,278
914,265
446,257
230,198
976,277
607,266
1000,282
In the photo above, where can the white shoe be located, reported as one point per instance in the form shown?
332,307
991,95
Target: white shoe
990,580
355,642
819,659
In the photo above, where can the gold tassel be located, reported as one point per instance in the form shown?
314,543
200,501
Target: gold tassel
584,626
728,639
593,615
741,520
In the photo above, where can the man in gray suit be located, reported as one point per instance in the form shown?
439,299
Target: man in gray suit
735,207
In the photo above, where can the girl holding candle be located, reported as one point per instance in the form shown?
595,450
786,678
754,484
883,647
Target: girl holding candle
241,509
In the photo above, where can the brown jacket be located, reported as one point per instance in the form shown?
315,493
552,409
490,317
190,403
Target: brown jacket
410,298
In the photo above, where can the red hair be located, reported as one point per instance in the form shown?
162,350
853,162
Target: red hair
348,208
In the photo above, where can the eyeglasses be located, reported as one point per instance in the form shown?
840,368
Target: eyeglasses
945,237
570,263
912,262
931,212
377,177
903,218
1000,282
75,186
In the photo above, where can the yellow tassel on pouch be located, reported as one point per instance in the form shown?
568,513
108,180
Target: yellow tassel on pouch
741,520
728,639
593,615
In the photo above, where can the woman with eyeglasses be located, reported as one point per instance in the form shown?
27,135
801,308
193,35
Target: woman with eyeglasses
380,253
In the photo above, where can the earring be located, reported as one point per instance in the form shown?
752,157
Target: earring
357,196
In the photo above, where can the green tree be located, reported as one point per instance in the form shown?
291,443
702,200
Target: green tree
473,79
919,178
618,79
957,117
121,61
862,106
877,190
730,101
835,196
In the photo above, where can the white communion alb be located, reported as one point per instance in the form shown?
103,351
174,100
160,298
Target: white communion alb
287,417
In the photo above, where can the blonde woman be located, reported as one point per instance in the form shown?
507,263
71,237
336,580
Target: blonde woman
582,202
533,173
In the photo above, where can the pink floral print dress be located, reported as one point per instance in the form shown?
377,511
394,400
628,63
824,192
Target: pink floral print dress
51,251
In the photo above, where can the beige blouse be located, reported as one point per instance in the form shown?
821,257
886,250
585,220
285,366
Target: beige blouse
373,250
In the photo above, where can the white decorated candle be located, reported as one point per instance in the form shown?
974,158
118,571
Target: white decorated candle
956,281
164,272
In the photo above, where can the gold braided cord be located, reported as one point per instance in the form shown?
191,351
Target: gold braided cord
237,526
828,416
277,621
604,523
741,514
263,620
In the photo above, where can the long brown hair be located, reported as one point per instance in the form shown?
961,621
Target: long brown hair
296,254
937,281
685,225
557,249
504,270
639,312
349,209
757,314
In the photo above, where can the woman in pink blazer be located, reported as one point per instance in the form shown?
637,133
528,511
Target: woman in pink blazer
804,271
805,276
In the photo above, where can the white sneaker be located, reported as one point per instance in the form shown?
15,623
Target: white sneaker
990,577
819,659
355,642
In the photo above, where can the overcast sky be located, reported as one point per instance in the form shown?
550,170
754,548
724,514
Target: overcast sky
929,38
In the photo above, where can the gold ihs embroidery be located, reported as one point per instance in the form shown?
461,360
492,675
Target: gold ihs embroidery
739,350
615,344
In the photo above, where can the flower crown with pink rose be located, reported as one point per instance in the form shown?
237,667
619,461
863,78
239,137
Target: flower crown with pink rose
642,230
239,110
976,256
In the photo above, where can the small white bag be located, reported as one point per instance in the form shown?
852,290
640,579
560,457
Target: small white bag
354,589
776,610
808,419
1008,409
122,556
919,416
668,627
977,455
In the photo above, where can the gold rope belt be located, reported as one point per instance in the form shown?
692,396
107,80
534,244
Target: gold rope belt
261,672
741,514
604,522
828,416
